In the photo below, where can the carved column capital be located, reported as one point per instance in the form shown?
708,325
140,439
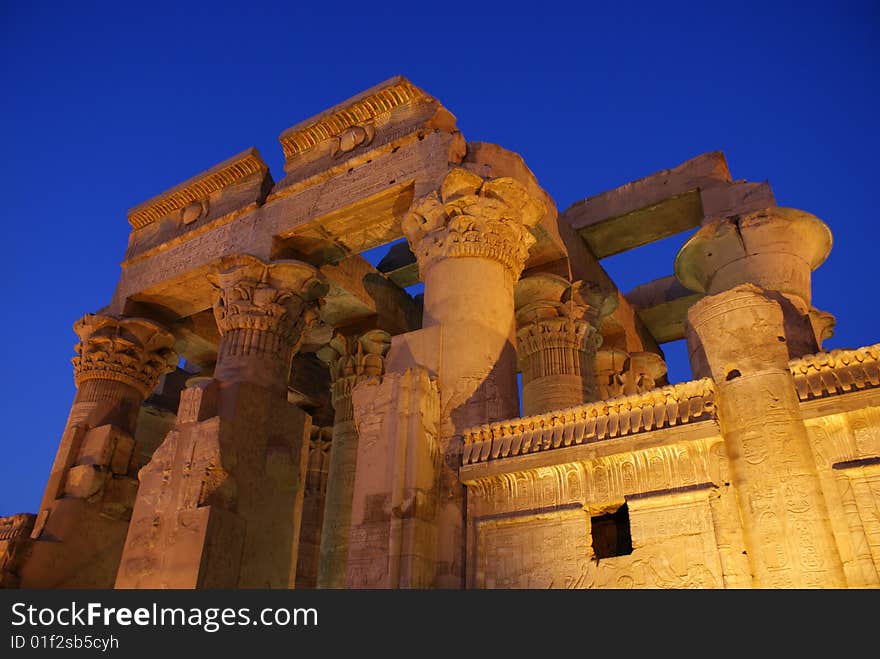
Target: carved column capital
279,298
352,359
133,351
551,311
471,216
263,311
557,337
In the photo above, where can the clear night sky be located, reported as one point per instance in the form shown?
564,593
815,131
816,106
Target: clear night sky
106,106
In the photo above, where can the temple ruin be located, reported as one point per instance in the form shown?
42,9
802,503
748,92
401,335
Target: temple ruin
260,407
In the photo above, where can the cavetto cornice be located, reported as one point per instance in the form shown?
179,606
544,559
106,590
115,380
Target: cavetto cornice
836,372
378,101
627,415
815,376
220,176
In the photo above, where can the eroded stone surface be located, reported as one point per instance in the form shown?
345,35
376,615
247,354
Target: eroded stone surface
762,471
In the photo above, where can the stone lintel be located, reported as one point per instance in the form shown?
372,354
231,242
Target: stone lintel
663,204
293,225
196,189
662,306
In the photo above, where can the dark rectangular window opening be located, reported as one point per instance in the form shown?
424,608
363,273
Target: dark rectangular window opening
611,535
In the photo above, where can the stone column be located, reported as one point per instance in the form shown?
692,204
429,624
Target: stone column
557,337
220,502
351,360
83,518
471,241
755,271
15,532
313,506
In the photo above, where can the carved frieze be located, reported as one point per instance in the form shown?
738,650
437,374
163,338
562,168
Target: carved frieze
190,199
658,408
837,371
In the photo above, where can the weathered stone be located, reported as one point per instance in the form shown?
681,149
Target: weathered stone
329,430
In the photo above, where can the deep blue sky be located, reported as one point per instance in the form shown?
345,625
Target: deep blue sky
107,105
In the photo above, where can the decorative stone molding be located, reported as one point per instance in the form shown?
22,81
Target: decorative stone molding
660,408
133,351
470,216
190,197
265,308
351,125
836,372
352,359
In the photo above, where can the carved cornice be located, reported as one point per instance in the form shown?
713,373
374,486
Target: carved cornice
352,359
134,351
836,372
344,123
659,408
197,189
470,216
265,307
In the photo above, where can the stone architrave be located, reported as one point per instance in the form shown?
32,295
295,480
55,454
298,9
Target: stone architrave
220,503
351,359
557,337
471,239
754,271
83,519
